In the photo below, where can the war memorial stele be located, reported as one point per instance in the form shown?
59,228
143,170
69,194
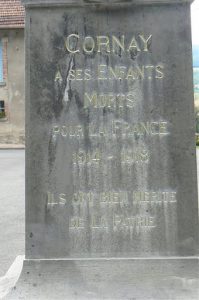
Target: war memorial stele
111,190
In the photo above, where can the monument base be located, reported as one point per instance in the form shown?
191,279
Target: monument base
132,279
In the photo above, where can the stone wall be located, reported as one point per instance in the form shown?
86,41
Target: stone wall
12,87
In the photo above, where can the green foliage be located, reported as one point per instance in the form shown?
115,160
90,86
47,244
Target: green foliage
196,80
2,114
197,140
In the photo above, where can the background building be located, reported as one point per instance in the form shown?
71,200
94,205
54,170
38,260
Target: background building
11,72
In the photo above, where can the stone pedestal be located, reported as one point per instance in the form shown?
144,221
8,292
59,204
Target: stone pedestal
111,197
140,279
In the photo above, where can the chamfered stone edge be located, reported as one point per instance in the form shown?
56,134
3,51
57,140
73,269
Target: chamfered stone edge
100,2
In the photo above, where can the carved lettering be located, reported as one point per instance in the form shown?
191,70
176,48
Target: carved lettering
109,100
112,198
121,221
71,42
118,128
154,197
74,43
76,223
129,74
83,157
139,129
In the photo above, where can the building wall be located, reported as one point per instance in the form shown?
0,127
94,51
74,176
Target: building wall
12,87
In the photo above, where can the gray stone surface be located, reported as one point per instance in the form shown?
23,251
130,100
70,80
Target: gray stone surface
110,161
13,162
40,3
164,279
111,168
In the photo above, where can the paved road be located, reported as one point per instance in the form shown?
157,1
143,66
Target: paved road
12,206
12,197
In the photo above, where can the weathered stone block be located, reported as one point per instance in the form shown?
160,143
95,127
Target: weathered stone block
110,163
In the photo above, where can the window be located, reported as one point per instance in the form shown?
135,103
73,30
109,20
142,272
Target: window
1,61
2,109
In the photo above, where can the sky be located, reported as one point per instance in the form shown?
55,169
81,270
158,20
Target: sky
195,22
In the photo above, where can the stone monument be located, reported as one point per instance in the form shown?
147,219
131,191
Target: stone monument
111,197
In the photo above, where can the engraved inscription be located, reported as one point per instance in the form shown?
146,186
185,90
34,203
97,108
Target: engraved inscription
74,43
128,156
118,222
104,72
109,100
110,136
117,128
155,197
121,221
113,198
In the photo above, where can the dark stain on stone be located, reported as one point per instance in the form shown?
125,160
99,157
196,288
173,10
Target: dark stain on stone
57,103
58,46
134,54
51,154
85,28
149,45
